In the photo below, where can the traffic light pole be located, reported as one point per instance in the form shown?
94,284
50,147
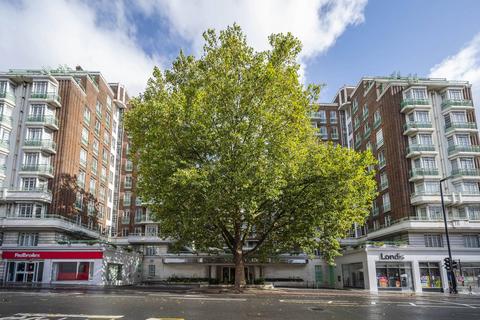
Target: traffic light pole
451,272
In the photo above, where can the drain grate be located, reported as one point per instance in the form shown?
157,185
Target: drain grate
316,309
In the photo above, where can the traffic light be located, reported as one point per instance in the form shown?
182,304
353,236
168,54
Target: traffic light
447,264
454,264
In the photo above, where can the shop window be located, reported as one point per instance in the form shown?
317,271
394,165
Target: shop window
72,271
433,240
114,272
394,276
430,275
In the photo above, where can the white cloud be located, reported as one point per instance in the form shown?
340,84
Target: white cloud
464,65
37,34
317,23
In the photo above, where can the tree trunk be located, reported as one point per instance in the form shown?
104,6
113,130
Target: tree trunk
239,269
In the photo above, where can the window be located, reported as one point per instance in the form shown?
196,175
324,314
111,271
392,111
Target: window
138,201
110,177
128,181
79,201
323,132
333,117
86,116
334,133
383,181
151,230
381,159
127,198
106,137
95,146
379,138
425,139
129,165
126,216
138,215
455,94
416,94
114,270
473,213
422,116
91,207
435,213
151,251
467,163
107,120
151,270
458,117
377,118
433,240
470,187
93,186
430,275
322,115
29,184
109,103
471,241
72,271
98,109
105,155
463,139
94,166
85,135
28,239
81,179
31,158
104,174
97,127
34,134
386,202
29,210
40,87
83,157
101,194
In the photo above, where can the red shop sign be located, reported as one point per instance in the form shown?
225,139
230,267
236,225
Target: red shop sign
52,255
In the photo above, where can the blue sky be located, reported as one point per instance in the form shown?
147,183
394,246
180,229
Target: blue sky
343,39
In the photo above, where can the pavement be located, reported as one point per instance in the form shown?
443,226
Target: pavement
153,304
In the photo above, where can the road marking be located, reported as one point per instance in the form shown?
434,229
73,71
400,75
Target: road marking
329,301
413,304
206,299
61,315
450,302
336,303
432,306
164,319
373,302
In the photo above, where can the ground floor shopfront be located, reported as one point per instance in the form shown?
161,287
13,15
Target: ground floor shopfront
406,269
90,265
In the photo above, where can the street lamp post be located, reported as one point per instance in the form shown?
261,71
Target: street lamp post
451,272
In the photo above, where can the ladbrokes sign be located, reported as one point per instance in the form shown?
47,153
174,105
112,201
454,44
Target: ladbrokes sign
38,255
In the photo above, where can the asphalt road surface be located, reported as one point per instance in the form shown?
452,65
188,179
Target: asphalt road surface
283,304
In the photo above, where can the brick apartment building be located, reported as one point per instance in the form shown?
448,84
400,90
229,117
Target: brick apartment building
69,186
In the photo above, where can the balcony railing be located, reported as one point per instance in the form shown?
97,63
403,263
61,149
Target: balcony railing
46,95
6,120
423,172
377,122
416,125
466,172
379,144
48,120
463,148
383,186
40,168
414,102
358,143
367,132
5,144
420,147
7,96
460,125
386,207
462,102
382,163
45,143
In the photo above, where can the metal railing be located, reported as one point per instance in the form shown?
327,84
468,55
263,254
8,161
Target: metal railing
420,147
49,120
41,168
46,95
463,148
415,172
460,125
58,217
42,143
460,102
7,95
413,102
466,172
416,125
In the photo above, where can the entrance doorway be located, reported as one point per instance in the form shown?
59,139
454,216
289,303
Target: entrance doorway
228,275
25,271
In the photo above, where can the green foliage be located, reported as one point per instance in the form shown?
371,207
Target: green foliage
226,152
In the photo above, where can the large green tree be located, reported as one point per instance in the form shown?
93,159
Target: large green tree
226,153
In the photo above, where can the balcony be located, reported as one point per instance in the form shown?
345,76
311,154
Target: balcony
375,211
41,194
367,133
52,98
413,127
459,150
358,143
7,97
409,104
382,164
6,121
460,126
376,123
422,173
421,197
47,121
144,238
448,105
386,207
3,170
4,146
45,145
418,149
464,173
379,144
383,185
45,170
